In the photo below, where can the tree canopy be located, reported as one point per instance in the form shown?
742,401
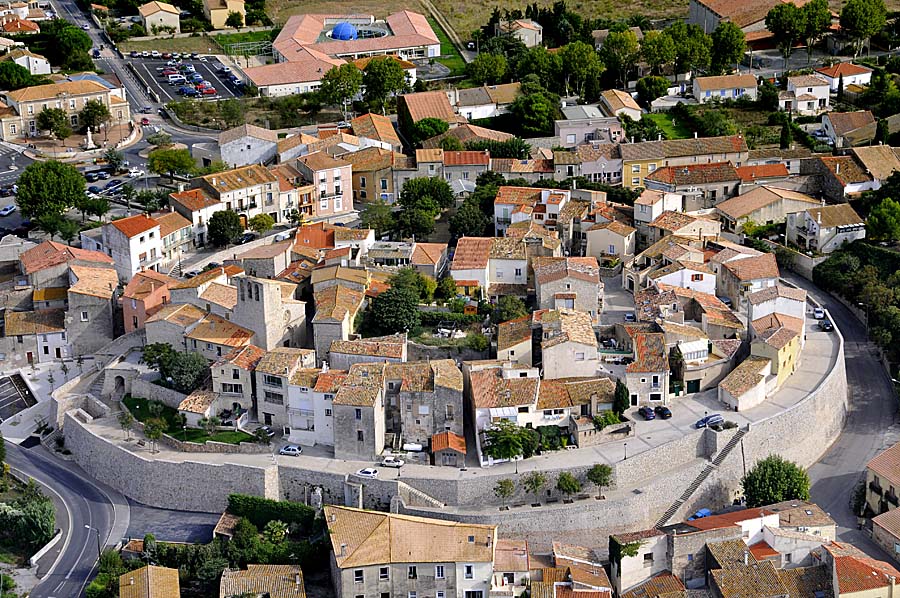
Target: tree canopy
340,84
487,69
396,310
428,128
382,78
469,220
378,216
56,121
861,19
786,22
261,223
884,221
224,227
15,76
728,45
775,479
170,162
49,187
93,114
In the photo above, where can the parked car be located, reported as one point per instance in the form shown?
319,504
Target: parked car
190,92
268,431
818,313
112,184
281,237
223,69
6,191
191,273
155,54
291,449
86,27
90,177
135,173
392,462
629,317
700,514
646,413
102,174
7,210
709,420
209,91
246,238
145,54
134,54
147,110
368,472
826,326
145,121
725,300
95,190
166,55
169,71
662,412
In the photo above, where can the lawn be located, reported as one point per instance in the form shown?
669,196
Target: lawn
201,44
243,38
139,408
450,56
671,126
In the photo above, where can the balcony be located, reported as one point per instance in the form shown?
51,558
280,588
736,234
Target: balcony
501,220
875,488
891,498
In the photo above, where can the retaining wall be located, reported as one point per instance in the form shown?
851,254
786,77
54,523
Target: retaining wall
145,389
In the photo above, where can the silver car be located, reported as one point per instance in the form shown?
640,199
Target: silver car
291,449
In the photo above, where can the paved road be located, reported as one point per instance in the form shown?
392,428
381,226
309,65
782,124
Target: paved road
86,505
873,411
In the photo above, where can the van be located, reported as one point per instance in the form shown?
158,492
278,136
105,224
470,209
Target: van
282,237
176,79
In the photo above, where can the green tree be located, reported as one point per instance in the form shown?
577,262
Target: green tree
275,532
426,193
568,484
676,364
68,230
774,479
787,136
126,422
509,308
882,132
224,227
159,356
768,96
477,341
210,424
188,372
658,50
487,69
14,76
621,398
94,114
816,22
650,88
170,162
161,139
535,113
469,220
261,223
620,53
234,19
786,21
861,19
232,112
884,221
421,285
49,187
396,310
583,63
600,475
446,288
382,78
428,128
415,223
716,123
503,440
534,482
56,121
68,45
728,45
378,216
452,144
341,84
503,489
114,158
693,47
840,88
153,430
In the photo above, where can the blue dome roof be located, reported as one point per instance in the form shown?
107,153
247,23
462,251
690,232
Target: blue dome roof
343,31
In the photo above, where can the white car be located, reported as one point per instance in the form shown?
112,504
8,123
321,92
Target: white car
291,449
135,173
7,210
368,472
392,462
819,313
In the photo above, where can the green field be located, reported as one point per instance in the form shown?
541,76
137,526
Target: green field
450,56
139,408
226,39
672,127
200,44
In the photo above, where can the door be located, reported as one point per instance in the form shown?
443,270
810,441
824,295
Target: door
267,417
58,353
30,357
693,386
634,400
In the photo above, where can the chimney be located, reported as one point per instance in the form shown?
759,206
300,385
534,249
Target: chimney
131,581
695,134
632,139
659,137
297,579
343,549
837,168
213,181
819,217
746,557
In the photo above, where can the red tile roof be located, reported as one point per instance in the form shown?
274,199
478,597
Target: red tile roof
754,268
472,253
194,199
846,69
50,253
887,464
448,440
134,225
466,158
750,173
650,354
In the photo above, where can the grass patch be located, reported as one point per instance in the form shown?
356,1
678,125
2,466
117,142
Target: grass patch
450,56
201,44
671,126
140,409
245,38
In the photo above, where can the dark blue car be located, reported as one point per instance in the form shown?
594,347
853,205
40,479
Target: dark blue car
112,183
646,413
94,189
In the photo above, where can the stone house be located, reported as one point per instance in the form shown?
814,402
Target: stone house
761,205
214,336
846,129
344,353
825,228
647,377
587,124
145,294
611,239
233,379
778,299
883,481
805,94
176,235
745,386
90,319
217,11
360,413
448,449
666,251
379,128
617,103
212,290
568,283
247,190
430,259
650,206
47,264
423,399
725,87
269,310
159,18
272,376
779,338
642,158
197,206
568,345
336,309
845,177
171,323
491,265
526,31
684,274
373,178
600,162
36,336
247,144
310,405
683,225
377,553
738,279
764,174
701,185
134,243
264,261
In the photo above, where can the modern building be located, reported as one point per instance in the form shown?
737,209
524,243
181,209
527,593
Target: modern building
724,87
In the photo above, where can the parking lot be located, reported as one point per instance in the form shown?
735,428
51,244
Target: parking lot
12,400
150,70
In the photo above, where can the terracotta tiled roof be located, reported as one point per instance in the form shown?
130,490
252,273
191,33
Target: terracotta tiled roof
275,581
695,174
43,321
800,513
615,226
50,253
807,581
149,582
775,291
650,354
17,25
517,195
490,390
219,331
677,148
745,376
428,254
777,330
889,521
726,82
373,538
145,282
841,214
194,199
753,268
208,276
673,221
97,282
759,197
308,66
505,248
860,574
321,161
330,381
171,222
658,585
384,346
247,130
239,178
448,441
879,161
513,332
220,294
466,158
472,253
619,100
52,90
133,226
337,302
280,360
465,133
198,402
551,269
845,169
154,7
887,464
749,174
845,122
429,104
847,69
245,357
567,325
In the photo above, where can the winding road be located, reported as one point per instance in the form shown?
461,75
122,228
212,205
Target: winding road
86,504
871,415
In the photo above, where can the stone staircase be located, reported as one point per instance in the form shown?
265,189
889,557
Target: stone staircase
417,498
96,388
175,271
701,477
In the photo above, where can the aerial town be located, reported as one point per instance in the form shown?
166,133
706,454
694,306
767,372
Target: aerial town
422,300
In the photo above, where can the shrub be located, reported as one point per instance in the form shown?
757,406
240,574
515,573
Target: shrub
260,511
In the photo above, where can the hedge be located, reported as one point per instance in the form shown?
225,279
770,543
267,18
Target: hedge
433,318
260,510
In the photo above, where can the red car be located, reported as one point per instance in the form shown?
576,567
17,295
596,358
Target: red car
145,121
201,86
169,71
209,91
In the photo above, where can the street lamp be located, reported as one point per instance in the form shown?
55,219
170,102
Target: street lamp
99,550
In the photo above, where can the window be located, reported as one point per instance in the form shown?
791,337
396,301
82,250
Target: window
449,414
648,559
272,380
384,573
274,398
412,573
235,374
360,437
787,558
357,414
439,572
46,350
636,181
384,185
579,356
651,167
385,595
468,571
234,389
362,182
134,321
655,380
696,277
358,576
84,316
413,595
328,413
635,168
439,595
570,139
518,271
